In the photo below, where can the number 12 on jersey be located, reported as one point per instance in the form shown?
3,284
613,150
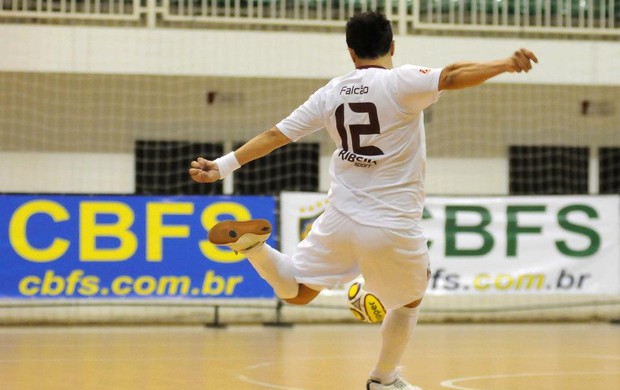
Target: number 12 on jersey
356,130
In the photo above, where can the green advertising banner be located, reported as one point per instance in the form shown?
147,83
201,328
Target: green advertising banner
504,245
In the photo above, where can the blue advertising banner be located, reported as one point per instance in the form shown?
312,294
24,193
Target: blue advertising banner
70,246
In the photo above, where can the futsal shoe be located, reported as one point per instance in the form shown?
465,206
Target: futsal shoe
398,384
240,236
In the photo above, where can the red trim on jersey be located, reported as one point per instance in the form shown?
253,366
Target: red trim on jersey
370,66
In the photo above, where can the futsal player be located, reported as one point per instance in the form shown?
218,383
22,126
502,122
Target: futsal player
374,114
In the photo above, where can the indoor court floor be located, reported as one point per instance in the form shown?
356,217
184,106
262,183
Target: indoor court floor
309,357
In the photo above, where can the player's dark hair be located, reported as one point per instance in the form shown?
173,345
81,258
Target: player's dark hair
369,34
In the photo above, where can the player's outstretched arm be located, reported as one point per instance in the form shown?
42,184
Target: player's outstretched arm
468,74
207,171
261,145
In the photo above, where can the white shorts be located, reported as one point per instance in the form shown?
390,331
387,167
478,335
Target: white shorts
394,263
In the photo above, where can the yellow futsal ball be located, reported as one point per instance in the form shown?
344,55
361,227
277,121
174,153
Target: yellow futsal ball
365,306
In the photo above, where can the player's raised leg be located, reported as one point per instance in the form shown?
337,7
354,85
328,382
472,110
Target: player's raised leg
248,237
240,236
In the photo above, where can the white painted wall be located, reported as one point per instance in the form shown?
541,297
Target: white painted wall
67,173
279,54
471,176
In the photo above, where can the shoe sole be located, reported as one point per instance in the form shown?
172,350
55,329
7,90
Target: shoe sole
231,232
372,383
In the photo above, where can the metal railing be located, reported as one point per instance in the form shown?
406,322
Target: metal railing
593,17
567,16
327,13
128,10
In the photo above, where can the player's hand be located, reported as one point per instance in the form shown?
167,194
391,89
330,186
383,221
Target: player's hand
204,171
521,61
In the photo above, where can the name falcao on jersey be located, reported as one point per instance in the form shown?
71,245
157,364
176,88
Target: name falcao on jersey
354,90
357,160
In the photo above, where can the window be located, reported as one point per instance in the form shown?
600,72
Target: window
609,170
293,167
548,170
162,167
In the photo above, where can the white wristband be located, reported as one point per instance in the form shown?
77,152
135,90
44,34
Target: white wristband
227,164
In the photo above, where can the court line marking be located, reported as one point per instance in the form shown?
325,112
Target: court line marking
244,378
450,383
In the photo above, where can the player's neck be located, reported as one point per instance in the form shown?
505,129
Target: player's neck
381,62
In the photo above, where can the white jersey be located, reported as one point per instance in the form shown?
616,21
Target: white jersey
375,117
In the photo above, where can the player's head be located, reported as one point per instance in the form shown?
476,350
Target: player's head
369,35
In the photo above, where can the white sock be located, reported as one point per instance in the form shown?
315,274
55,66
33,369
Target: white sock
396,331
276,268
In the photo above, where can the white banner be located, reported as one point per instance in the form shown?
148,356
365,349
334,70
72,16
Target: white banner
503,245
298,210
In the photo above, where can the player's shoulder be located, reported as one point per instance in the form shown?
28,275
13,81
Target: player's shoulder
413,69
409,78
